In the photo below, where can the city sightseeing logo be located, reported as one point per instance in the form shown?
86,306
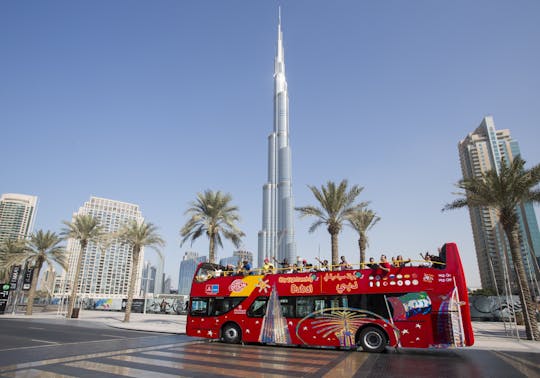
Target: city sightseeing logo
237,286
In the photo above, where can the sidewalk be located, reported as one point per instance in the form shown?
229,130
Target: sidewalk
138,322
488,335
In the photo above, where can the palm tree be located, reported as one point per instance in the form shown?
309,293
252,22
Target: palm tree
504,192
213,215
337,204
361,221
83,228
42,247
9,250
137,235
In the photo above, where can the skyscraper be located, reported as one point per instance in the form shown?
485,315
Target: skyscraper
106,268
276,238
483,150
17,214
237,256
188,265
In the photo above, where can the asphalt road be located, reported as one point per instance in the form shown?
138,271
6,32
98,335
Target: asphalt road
56,348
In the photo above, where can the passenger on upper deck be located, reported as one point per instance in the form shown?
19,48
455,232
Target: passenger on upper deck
402,262
372,264
268,268
246,268
384,264
324,265
427,260
343,264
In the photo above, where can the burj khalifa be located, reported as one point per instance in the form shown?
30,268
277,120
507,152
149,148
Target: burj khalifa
276,239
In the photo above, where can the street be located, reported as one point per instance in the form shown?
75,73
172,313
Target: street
58,347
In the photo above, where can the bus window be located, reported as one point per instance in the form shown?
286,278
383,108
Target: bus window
258,308
223,305
370,302
319,304
199,306
304,306
287,307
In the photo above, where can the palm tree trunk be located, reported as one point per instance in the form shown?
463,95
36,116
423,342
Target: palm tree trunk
211,250
75,285
33,285
362,246
527,304
133,280
335,257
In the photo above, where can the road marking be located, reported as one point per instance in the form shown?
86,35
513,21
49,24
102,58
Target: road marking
248,353
349,366
208,368
31,373
113,336
248,362
119,370
75,342
519,364
35,328
44,341
86,356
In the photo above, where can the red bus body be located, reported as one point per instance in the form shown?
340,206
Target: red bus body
413,306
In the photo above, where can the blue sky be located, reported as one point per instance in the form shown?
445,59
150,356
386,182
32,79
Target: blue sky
152,102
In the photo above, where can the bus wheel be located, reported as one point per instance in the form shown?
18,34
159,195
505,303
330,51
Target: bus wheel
373,340
231,334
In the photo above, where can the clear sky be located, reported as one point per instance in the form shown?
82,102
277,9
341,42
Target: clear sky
150,102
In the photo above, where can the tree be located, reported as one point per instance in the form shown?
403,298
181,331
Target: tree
9,250
361,221
137,235
83,228
42,247
212,214
504,192
337,204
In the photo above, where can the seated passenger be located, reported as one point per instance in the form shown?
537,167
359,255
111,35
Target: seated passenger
343,264
384,264
427,261
324,265
402,262
246,268
372,264
268,268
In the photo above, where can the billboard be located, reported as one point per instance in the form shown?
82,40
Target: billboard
28,275
14,277
4,295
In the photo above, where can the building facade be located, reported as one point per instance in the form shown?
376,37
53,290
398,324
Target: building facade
149,283
485,149
188,265
276,238
106,267
17,215
236,258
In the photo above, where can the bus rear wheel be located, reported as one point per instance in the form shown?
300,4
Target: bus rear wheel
231,334
373,340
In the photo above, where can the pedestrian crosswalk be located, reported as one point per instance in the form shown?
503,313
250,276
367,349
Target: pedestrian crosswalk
196,359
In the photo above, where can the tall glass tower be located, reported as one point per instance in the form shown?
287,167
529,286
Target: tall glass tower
483,150
17,213
276,238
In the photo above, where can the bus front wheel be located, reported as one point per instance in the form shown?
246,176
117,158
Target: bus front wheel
373,340
231,334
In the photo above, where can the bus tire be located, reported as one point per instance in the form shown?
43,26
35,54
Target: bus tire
373,340
231,334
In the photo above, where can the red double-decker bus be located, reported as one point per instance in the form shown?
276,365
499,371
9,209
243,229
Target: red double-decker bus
410,306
